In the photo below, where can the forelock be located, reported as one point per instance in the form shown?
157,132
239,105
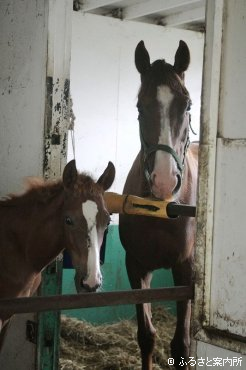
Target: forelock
87,187
162,73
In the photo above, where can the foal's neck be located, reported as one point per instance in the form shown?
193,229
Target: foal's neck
46,237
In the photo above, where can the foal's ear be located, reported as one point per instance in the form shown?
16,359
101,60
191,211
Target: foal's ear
142,59
70,175
182,59
107,178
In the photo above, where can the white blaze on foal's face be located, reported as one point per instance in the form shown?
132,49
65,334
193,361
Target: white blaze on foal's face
94,277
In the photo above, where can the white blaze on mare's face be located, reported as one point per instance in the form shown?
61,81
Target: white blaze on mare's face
164,164
94,277
165,98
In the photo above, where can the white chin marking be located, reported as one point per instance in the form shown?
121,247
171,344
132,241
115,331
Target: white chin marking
94,277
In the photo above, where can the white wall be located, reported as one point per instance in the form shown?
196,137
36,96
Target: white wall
23,45
215,357
220,295
104,86
34,43
22,90
228,311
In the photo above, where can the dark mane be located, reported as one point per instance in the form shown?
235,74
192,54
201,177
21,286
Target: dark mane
41,191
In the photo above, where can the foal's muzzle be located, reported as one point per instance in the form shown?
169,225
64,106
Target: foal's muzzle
82,283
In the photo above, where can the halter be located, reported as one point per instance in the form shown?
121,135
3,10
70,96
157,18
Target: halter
149,149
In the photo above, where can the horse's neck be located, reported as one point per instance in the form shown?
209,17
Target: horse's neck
189,182
37,232
48,240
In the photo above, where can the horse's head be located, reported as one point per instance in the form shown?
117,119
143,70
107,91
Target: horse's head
163,105
86,219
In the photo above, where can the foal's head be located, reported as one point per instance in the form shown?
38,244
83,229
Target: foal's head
163,105
86,219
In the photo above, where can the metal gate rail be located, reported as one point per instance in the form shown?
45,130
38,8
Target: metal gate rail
85,300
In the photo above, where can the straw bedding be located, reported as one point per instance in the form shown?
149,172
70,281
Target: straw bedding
112,346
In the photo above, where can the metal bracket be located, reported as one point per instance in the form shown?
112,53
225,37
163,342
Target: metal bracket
31,331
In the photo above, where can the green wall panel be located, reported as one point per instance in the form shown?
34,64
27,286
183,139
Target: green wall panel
114,278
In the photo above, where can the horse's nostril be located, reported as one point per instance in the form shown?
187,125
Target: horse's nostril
152,179
178,184
90,289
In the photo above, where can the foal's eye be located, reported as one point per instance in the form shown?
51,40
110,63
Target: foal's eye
68,221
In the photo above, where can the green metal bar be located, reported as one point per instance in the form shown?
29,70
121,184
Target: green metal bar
49,322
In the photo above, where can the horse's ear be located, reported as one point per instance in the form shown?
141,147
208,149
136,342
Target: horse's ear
182,59
70,174
107,178
142,59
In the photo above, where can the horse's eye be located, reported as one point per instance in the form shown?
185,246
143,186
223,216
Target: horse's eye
189,106
184,134
140,108
88,241
68,221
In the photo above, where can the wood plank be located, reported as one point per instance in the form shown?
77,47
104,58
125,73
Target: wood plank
87,5
85,300
155,6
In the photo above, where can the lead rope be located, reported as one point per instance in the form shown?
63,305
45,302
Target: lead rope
148,149
193,132
71,123
187,143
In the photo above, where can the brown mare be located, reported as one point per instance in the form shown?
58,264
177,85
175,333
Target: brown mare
165,168
36,226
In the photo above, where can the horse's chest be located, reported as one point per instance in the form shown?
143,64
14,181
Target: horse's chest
157,243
